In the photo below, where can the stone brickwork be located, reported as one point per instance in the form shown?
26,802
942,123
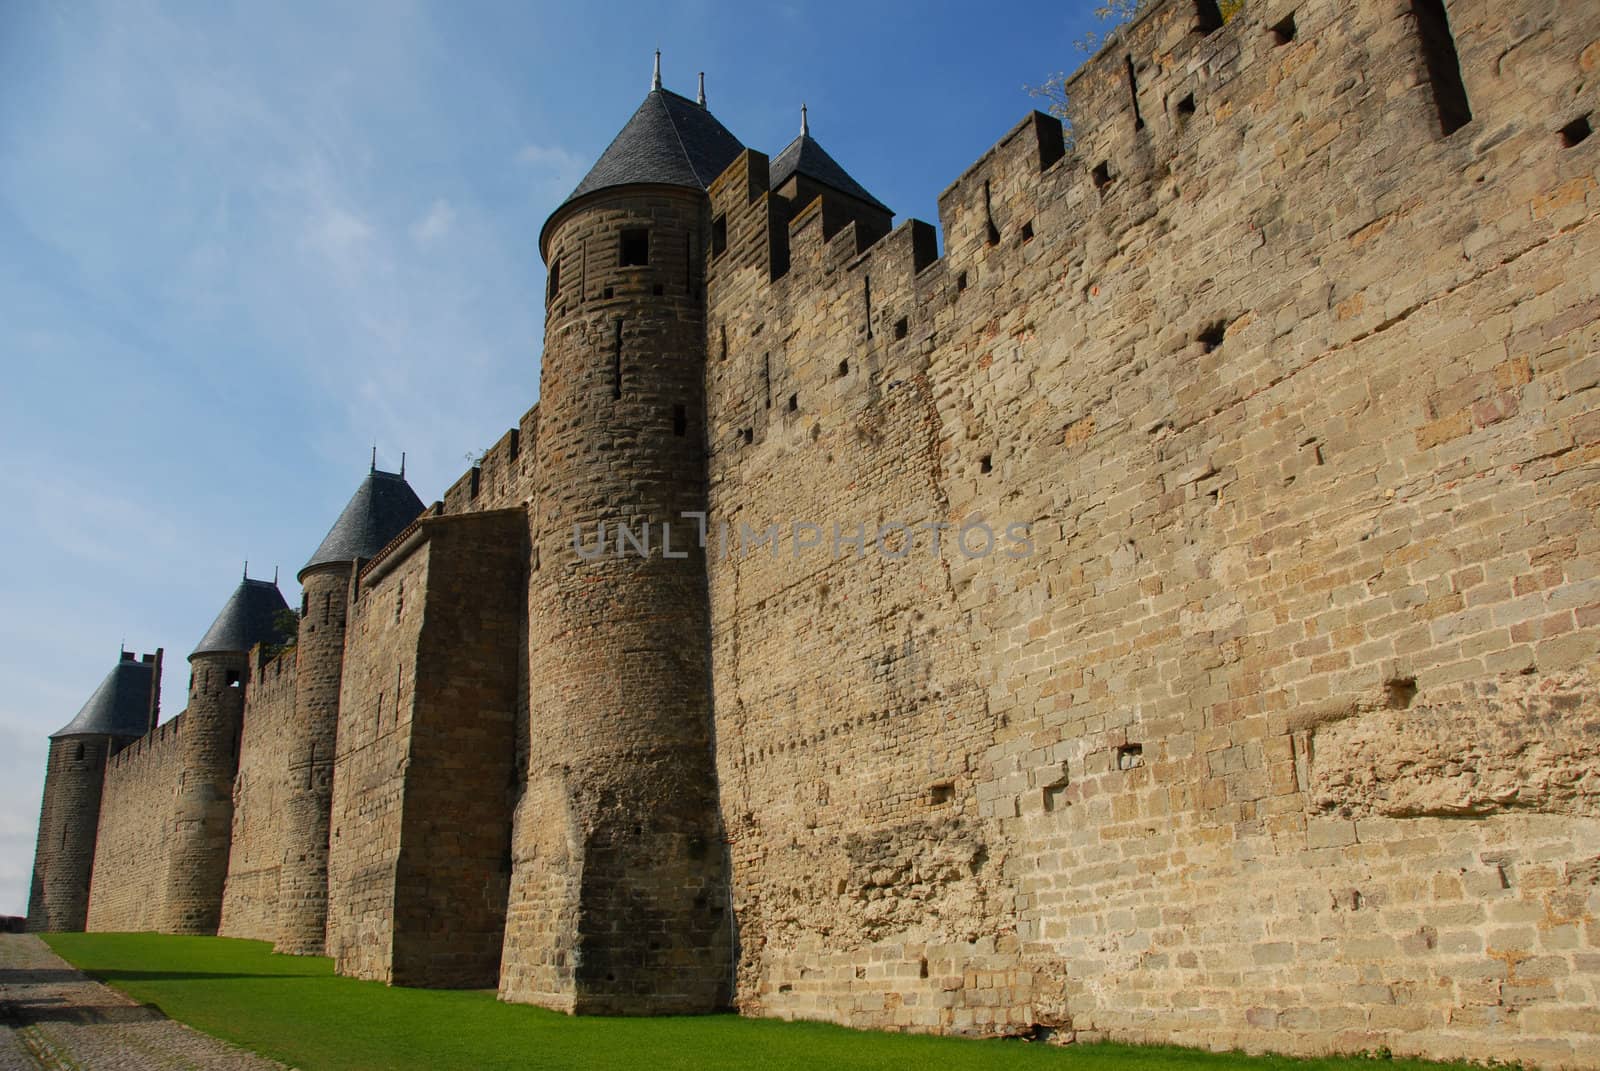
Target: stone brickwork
423,797
1297,395
129,891
261,793
382,635
197,859
618,900
309,751
68,826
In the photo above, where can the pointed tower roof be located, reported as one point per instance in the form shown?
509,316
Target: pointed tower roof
803,156
120,706
670,141
245,620
380,508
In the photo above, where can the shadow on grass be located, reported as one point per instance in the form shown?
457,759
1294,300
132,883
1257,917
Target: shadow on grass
113,976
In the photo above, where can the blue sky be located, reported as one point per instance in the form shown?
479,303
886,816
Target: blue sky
240,243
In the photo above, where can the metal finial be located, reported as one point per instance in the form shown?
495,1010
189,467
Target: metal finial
374,467
655,80
402,464
247,568
274,576
805,125
702,98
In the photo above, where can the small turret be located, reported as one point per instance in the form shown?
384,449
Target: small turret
117,713
219,671
381,507
804,171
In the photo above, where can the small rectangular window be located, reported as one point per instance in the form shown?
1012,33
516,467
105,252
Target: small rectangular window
635,246
554,283
719,236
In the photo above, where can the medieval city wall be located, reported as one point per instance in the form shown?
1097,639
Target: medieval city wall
260,800
455,857
376,703
137,811
1278,736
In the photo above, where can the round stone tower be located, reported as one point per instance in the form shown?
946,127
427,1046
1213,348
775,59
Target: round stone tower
209,745
619,895
381,507
120,711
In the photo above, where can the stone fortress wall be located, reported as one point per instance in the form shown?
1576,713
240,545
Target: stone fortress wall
1277,731
1297,395
133,847
260,801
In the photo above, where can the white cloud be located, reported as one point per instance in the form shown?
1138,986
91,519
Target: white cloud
437,224
556,170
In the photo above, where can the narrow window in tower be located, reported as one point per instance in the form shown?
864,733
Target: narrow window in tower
719,236
399,599
1444,65
554,282
78,754
305,604
635,247
1284,31
1133,92
992,233
233,678
378,717
866,294
766,378
616,363
901,326
1207,16
327,608
1576,132
680,421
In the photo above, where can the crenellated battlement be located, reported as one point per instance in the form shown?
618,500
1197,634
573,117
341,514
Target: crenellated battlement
503,476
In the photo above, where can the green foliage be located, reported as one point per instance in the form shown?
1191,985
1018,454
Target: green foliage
294,1009
286,623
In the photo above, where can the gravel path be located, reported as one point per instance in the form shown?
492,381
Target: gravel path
54,1017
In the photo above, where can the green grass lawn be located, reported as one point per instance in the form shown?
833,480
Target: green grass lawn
296,1010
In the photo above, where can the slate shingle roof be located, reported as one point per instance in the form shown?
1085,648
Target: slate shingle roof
670,140
119,707
804,156
245,620
380,508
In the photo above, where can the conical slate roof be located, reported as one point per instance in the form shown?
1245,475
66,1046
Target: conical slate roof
245,620
670,140
380,508
805,157
119,707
